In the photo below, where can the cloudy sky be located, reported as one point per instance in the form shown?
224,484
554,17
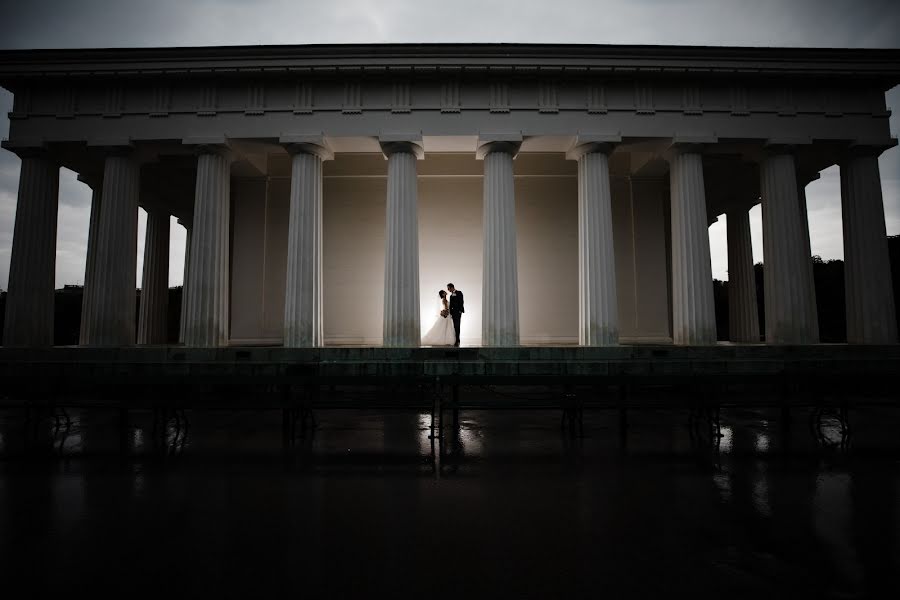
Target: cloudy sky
123,23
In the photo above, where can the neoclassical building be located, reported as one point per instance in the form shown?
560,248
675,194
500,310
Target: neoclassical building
329,192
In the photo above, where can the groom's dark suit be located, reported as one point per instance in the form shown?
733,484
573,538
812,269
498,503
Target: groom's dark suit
456,310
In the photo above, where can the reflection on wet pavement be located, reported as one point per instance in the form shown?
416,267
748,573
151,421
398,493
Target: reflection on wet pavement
210,504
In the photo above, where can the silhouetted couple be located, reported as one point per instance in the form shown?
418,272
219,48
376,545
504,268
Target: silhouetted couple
445,331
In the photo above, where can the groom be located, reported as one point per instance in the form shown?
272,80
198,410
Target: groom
456,308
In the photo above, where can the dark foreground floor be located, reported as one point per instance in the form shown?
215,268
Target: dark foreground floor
512,509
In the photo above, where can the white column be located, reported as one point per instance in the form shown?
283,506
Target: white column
402,327
867,270
789,291
91,262
743,315
207,287
303,282
500,281
32,266
152,324
109,318
184,279
598,311
693,311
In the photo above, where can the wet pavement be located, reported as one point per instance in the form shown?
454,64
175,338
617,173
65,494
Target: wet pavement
506,507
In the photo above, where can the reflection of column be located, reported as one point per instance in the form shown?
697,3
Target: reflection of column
184,278
598,315
743,315
152,325
401,258
91,262
867,271
207,286
500,283
693,311
109,320
788,285
32,266
303,287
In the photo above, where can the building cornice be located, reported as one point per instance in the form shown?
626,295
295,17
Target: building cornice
882,65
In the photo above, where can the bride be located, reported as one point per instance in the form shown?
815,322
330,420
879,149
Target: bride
442,332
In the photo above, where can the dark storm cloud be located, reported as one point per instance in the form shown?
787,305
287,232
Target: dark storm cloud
101,23
122,23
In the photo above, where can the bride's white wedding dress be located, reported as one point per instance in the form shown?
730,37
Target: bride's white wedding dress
441,333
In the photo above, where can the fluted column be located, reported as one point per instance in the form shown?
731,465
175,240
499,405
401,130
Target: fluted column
108,320
500,281
152,324
598,311
789,290
693,311
806,249
867,270
206,316
743,315
91,263
182,320
32,266
303,282
402,327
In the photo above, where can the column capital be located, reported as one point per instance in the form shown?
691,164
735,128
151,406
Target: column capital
498,142
112,146
741,203
690,144
861,148
315,144
92,180
784,145
27,148
804,178
589,143
215,144
410,143
155,208
122,147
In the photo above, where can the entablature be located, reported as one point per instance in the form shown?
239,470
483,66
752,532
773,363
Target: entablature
424,59
207,96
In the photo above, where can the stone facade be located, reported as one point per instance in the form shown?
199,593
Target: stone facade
330,190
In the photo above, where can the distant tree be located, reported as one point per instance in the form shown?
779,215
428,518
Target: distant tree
174,316
830,301
829,294
67,314
759,279
720,301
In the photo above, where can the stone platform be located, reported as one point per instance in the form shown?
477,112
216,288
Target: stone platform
62,368
44,383
471,362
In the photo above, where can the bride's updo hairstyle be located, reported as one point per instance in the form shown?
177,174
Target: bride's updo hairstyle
442,294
